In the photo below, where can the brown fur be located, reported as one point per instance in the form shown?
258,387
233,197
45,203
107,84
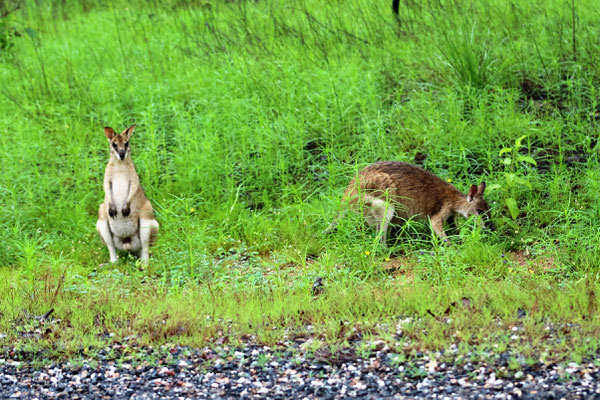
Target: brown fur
393,191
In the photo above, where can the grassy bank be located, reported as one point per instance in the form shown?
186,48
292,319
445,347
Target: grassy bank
252,117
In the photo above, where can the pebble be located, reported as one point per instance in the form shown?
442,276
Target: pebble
292,372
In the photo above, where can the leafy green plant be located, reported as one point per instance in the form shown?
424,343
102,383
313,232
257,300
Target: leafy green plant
515,179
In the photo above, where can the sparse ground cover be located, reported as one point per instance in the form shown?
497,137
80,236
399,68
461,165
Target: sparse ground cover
252,117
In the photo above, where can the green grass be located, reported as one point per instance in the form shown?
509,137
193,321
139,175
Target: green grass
252,117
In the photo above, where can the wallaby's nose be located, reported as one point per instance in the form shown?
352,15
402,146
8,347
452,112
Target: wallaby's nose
122,154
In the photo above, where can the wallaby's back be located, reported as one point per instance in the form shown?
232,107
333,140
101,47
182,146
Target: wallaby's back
415,190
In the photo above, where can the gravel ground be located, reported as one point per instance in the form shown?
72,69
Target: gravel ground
290,370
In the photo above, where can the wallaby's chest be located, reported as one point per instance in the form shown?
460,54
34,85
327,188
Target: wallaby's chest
121,186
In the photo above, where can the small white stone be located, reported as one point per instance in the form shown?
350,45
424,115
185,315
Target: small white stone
519,375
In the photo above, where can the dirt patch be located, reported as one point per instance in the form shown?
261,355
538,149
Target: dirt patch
546,157
535,264
400,266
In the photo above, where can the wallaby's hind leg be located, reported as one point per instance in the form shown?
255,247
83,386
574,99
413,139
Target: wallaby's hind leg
148,232
384,227
104,232
379,213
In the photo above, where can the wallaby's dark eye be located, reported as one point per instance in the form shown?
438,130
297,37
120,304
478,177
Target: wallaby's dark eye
126,144
115,145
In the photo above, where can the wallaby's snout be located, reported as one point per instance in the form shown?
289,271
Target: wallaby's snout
119,144
120,147
487,222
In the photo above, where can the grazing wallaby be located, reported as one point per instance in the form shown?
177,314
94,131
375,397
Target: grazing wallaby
126,219
391,191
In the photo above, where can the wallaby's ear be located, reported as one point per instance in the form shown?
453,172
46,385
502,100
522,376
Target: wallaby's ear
129,131
109,132
481,188
471,193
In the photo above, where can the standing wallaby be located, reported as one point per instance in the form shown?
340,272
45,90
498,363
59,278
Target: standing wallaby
126,219
392,191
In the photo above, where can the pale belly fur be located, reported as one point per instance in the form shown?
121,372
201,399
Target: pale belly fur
125,233
124,229
120,191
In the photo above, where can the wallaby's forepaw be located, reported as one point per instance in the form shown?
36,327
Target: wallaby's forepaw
112,211
126,210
